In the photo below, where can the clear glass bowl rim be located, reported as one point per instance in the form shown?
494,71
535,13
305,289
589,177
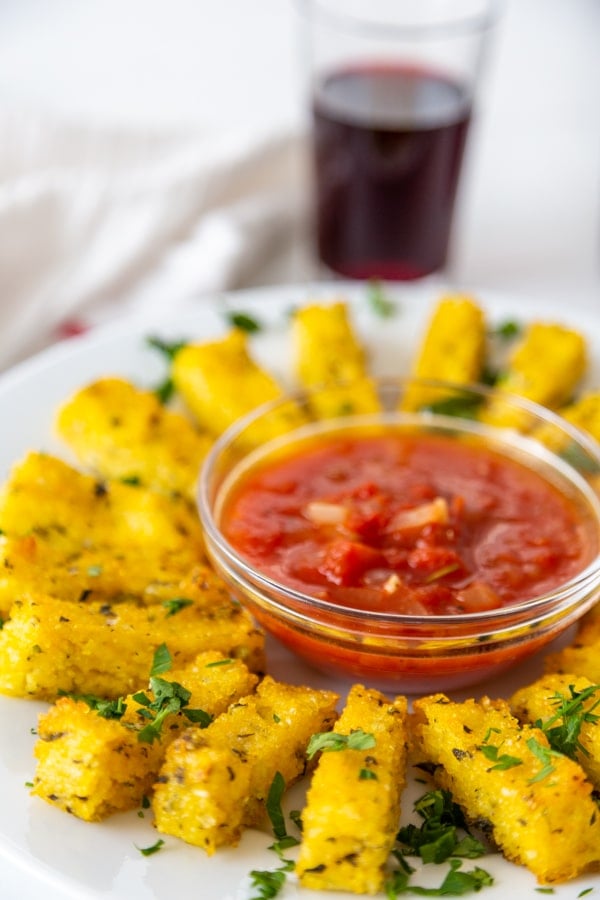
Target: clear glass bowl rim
562,598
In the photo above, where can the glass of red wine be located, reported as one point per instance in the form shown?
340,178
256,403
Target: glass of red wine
393,85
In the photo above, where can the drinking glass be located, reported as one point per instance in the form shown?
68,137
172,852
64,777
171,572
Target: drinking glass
393,85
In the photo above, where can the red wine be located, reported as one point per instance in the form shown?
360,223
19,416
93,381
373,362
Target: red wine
389,143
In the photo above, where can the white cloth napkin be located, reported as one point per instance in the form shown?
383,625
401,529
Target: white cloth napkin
95,224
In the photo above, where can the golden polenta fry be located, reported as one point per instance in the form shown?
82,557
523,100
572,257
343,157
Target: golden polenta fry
452,349
542,701
214,781
538,805
545,366
49,646
118,431
329,355
352,811
92,765
220,382
69,535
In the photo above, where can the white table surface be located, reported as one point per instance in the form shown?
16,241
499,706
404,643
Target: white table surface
529,214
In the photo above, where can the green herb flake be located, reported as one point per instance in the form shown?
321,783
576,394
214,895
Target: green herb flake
585,892
29,784
268,883
463,406
162,660
169,349
443,833
176,604
150,851
379,301
332,741
273,806
219,662
506,331
106,709
244,322
133,480
502,761
456,883
367,775
165,390
545,755
544,890
563,728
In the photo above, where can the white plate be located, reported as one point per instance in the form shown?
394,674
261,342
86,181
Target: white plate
60,855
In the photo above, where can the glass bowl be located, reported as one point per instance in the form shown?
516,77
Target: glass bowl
411,653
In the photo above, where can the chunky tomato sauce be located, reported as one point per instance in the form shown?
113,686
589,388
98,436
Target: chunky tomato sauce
406,523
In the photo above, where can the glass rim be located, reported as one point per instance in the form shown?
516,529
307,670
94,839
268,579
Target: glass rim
469,23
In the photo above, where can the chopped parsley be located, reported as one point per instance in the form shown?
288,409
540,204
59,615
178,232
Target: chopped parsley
443,833
501,761
545,755
161,661
464,406
149,851
244,322
331,741
564,727
169,349
176,604
169,697
166,388
379,301
456,883
507,330
269,882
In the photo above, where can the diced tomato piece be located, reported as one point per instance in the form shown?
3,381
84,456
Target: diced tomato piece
346,561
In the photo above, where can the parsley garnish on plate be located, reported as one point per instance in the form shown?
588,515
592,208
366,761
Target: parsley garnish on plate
269,882
379,301
149,851
443,832
243,321
169,349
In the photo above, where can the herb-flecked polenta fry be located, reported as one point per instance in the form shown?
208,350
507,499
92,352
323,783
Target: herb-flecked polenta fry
545,366
118,431
352,811
93,766
579,726
329,355
537,804
214,781
69,535
219,381
49,646
452,349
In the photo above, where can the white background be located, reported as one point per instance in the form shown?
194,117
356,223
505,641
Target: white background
529,216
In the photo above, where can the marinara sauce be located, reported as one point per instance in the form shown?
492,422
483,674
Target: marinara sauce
406,523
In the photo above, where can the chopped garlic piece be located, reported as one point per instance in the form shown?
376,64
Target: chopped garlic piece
436,511
322,513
